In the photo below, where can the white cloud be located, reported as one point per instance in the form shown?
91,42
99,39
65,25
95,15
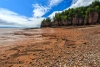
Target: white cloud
54,2
53,14
10,18
75,3
79,3
40,10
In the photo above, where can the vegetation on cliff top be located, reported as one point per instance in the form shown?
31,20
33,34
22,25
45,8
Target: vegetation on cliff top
75,16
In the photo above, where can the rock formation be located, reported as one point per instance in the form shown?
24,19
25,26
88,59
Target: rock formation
93,17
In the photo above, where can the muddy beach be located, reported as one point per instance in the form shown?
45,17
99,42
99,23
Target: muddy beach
51,47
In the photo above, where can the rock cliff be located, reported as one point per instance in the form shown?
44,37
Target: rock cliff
92,18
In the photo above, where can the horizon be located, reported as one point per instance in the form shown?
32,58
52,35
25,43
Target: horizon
29,13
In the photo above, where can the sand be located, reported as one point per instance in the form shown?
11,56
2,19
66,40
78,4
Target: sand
51,47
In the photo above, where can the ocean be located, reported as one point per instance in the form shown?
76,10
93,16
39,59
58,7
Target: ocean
8,30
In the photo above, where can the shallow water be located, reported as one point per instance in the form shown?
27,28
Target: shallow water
8,30
6,35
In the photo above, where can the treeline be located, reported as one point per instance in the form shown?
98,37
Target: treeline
75,16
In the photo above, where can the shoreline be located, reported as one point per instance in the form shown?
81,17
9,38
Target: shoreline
44,47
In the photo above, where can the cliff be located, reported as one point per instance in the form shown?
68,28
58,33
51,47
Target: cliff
93,18
76,16
46,24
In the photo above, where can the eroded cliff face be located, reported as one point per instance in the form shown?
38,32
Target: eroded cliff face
46,24
42,24
92,18
65,23
80,21
99,19
86,21
55,23
75,21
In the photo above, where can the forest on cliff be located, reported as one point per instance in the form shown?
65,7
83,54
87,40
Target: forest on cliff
84,15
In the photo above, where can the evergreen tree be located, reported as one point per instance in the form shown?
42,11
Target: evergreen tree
80,12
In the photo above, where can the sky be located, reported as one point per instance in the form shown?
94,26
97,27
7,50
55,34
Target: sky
30,13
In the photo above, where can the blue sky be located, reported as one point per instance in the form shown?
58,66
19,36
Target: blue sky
29,13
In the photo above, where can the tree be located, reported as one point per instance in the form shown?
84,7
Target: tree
43,20
64,18
79,12
48,20
97,8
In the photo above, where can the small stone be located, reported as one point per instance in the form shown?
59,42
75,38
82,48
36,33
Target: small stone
84,43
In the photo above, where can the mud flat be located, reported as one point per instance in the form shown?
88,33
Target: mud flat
51,47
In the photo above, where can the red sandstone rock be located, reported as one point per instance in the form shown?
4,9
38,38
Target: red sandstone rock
93,17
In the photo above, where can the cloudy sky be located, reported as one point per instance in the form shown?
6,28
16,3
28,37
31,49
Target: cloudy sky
29,13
